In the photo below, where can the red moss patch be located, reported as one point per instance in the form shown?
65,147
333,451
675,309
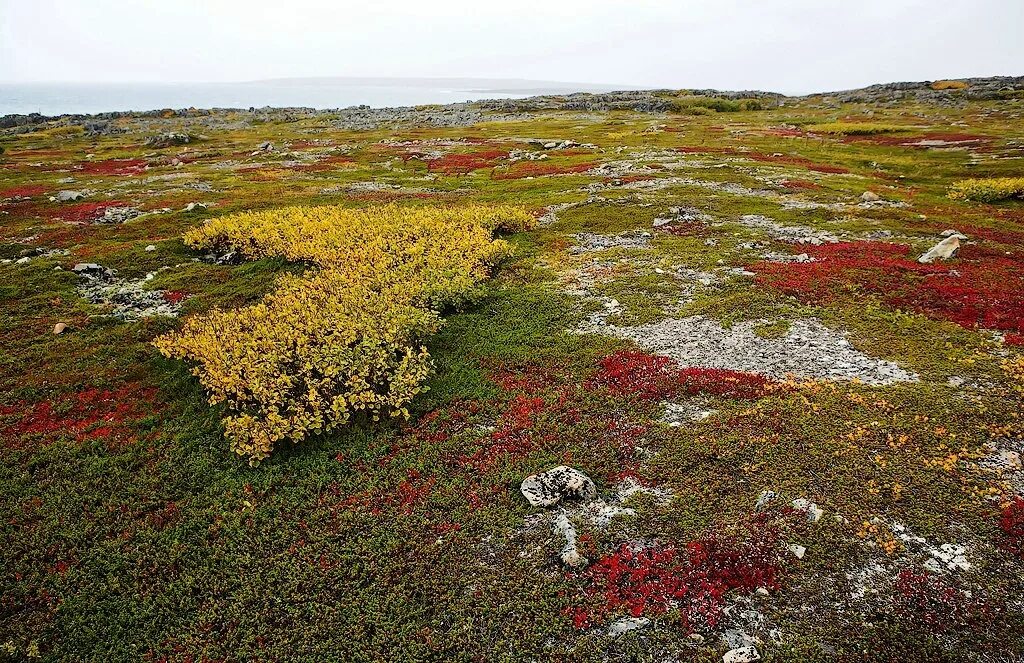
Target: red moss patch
85,415
629,373
1011,522
25,191
984,289
174,296
932,600
460,164
112,167
695,579
539,169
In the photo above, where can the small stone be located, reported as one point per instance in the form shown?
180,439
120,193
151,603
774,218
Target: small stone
870,197
549,488
59,327
697,637
762,591
69,196
22,261
741,655
797,550
151,247
87,267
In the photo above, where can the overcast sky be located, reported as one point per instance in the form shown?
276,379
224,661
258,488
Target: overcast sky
790,46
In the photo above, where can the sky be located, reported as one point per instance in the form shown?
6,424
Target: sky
790,46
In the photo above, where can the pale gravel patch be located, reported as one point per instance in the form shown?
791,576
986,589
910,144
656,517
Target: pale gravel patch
808,350
792,234
587,242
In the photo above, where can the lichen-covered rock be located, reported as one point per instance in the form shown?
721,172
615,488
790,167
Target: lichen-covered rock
551,487
570,555
627,624
741,655
119,214
168,139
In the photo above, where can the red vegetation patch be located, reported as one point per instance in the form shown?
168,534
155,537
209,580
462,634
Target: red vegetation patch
526,379
1011,522
640,375
460,164
513,437
86,212
932,600
722,382
985,289
25,191
112,167
695,579
85,415
800,184
539,169
174,296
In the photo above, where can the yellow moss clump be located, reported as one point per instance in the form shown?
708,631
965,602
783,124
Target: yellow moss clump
345,340
987,190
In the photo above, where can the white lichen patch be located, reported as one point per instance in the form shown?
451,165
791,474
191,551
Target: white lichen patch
809,349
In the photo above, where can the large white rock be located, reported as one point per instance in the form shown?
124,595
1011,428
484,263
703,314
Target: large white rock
551,487
944,250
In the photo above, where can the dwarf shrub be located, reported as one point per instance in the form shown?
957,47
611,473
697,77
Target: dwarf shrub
988,190
346,340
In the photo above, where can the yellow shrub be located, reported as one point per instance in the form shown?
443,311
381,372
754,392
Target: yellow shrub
1015,370
346,339
988,190
949,85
